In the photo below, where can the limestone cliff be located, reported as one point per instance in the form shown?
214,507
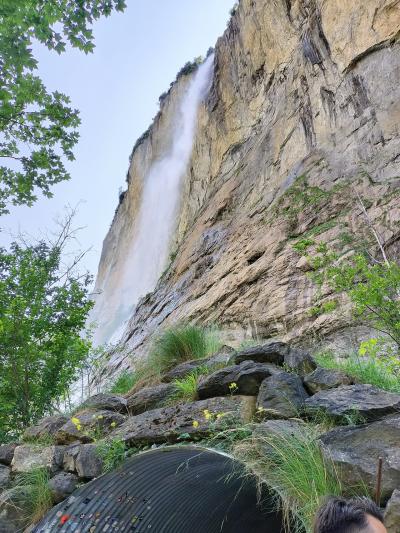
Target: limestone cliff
302,117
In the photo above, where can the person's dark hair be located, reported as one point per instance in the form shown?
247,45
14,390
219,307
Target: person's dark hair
338,515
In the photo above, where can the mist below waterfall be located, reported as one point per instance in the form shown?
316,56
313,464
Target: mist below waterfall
156,220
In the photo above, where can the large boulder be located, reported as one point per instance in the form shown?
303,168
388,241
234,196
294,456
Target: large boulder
84,460
363,400
272,352
392,513
278,428
88,426
46,427
193,420
29,457
281,396
324,379
355,451
244,378
149,398
217,360
62,485
5,477
105,401
7,453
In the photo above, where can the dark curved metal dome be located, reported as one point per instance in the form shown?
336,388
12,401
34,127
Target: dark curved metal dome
169,490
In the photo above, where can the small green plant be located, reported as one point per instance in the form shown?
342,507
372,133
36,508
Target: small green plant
302,245
292,466
325,308
367,366
112,452
32,491
186,388
124,382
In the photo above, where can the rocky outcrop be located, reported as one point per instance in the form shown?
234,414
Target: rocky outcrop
363,401
47,427
355,451
62,485
88,426
107,402
29,457
296,125
217,360
194,420
7,453
84,460
150,398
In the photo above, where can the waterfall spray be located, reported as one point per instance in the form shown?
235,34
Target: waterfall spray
157,217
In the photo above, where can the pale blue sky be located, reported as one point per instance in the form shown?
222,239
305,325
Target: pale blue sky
137,55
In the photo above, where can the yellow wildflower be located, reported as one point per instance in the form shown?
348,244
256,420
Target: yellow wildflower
233,386
220,415
75,421
78,427
207,414
100,417
195,424
113,424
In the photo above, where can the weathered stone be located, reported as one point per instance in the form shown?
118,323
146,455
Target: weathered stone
7,453
84,460
12,516
281,396
5,477
272,352
195,420
180,371
278,427
46,427
149,398
27,457
244,378
392,513
323,379
94,424
107,402
364,400
355,451
299,361
62,485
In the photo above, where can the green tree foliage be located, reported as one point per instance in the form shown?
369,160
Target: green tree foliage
38,129
43,309
373,287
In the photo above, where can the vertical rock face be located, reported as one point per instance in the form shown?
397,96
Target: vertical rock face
303,115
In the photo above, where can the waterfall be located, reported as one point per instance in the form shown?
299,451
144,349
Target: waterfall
157,217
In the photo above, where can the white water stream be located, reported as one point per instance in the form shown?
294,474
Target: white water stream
156,220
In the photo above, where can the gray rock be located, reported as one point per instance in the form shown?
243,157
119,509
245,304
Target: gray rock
62,485
278,427
84,460
367,401
219,359
323,379
5,477
149,398
13,517
299,361
193,420
108,402
7,453
272,352
94,424
392,513
355,451
28,456
247,376
46,427
281,396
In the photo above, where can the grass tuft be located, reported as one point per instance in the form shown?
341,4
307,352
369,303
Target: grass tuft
34,491
370,370
124,382
292,466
